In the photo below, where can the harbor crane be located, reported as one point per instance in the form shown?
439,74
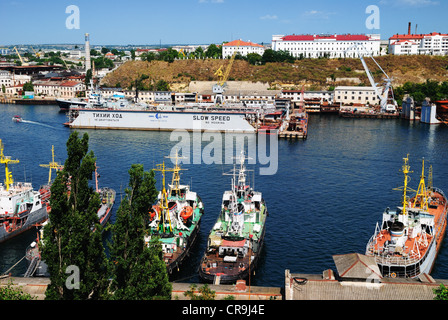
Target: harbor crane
220,86
52,165
386,97
38,54
20,57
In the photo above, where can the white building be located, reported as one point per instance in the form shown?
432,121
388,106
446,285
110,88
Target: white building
430,44
361,95
330,46
243,47
58,89
296,95
8,79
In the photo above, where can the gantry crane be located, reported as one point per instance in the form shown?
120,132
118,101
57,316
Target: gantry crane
386,97
219,87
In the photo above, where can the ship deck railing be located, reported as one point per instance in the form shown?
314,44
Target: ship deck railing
382,257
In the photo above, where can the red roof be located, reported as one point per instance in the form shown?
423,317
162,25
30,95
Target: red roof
337,37
415,36
241,43
69,83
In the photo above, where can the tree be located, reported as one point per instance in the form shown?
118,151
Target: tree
162,85
28,86
254,58
213,51
3,88
88,77
72,243
138,269
104,50
441,293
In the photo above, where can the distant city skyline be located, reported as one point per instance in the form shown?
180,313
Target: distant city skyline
139,22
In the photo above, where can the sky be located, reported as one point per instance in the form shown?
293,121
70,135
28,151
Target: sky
150,22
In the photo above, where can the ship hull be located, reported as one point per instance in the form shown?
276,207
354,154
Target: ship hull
33,218
161,120
174,266
64,105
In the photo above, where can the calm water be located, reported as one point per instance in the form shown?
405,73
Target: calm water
325,199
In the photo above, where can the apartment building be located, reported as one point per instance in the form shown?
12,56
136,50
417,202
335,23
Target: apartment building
327,45
428,44
243,47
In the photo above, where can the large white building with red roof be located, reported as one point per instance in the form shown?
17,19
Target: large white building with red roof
243,47
328,45
407,44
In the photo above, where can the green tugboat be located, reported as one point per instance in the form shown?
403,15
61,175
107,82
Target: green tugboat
176,218
235,241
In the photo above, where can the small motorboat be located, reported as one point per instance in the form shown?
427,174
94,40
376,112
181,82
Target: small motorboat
17,119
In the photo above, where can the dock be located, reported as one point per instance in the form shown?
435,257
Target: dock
4,100
368,115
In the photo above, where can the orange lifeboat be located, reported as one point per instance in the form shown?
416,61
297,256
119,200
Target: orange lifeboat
152,213
186,213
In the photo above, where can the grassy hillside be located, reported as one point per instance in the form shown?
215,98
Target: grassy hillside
313,73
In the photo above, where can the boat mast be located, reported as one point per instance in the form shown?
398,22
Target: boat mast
405,170
7,160
176,173
164,212
421,195
52,165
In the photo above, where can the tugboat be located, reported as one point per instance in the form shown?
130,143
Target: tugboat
21,206
107,197
176,218
37,267
408,240
235,241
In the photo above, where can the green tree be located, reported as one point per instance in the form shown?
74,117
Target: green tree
88,77
162,85
254,58
3,88
28,86
9,292
104,50
72,242
139,272
213,51
441,293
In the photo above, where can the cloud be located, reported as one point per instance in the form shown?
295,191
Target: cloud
316,14
269,17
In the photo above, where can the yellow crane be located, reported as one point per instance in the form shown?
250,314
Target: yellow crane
7,160
52,165
38,54
20,57
219,87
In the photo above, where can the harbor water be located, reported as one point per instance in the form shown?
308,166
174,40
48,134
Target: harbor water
327,195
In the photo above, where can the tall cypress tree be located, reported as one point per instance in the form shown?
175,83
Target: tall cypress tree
73,248
139,272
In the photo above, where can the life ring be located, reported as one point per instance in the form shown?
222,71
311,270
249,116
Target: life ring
186,213
393,275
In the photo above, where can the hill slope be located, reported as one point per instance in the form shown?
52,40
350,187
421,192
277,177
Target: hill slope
312,73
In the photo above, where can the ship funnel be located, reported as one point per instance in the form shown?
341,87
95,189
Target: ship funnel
396,230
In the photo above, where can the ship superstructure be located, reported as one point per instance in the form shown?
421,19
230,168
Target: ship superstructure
21,206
